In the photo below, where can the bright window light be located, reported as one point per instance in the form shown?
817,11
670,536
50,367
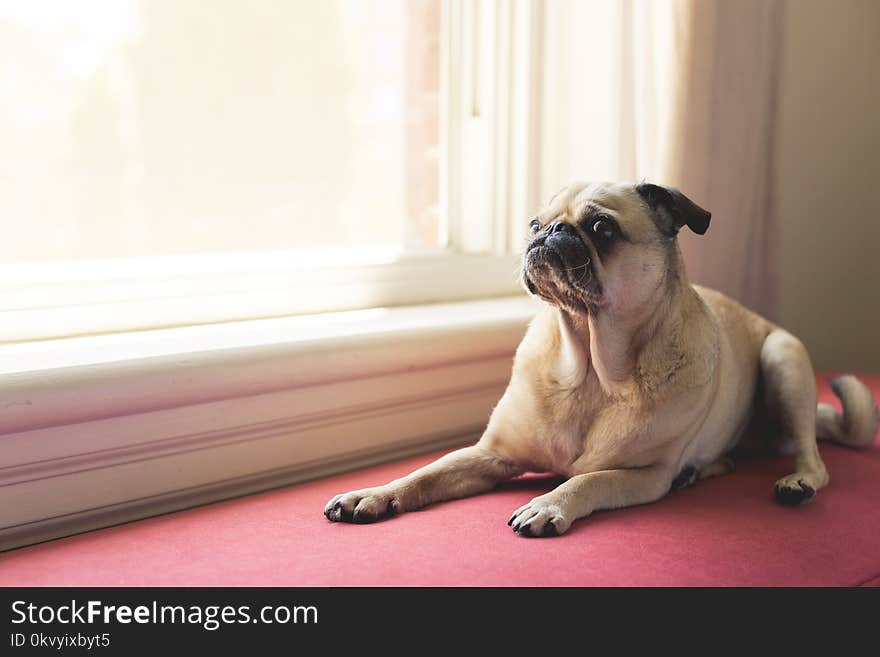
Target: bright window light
134,129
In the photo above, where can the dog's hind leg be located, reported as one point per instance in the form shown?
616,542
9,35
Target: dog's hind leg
691,475
724,465
790,394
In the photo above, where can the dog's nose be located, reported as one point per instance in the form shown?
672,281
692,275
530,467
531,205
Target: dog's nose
558,227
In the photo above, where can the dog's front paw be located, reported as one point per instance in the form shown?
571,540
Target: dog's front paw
540,518
362,506
793,490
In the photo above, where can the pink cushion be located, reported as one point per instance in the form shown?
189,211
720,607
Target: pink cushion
724,531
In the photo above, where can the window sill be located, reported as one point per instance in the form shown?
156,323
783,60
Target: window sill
105,429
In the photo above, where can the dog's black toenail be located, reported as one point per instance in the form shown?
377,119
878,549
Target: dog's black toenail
684,478
512,518
391,509
550,530
786,496
809,491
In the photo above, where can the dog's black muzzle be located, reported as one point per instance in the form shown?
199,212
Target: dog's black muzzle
559,248
563,238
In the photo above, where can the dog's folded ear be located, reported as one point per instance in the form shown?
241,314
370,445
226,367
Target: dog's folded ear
672,209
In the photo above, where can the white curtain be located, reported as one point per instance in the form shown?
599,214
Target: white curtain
692,86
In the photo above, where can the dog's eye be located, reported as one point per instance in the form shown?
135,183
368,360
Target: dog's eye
605,229
534,226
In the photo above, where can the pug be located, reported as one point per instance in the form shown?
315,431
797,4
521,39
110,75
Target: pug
631,382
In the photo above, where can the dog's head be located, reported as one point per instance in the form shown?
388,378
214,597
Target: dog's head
608,246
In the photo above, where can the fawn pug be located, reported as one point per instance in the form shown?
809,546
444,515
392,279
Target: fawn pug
631,381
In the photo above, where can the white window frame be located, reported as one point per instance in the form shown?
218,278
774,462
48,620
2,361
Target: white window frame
494,52
102,422
46,302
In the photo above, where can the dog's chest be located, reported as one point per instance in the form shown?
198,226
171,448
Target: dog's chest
583,432
568,421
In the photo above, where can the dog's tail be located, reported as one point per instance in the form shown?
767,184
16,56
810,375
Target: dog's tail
857,425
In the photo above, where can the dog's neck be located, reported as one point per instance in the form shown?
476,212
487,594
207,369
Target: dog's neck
574,351
625,351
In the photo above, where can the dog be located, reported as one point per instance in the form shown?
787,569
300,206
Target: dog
631,382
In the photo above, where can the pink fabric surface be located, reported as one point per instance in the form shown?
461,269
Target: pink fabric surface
724,531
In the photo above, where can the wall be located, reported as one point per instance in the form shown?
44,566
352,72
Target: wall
828,179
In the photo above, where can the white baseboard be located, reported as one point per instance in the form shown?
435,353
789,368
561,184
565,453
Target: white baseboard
137,509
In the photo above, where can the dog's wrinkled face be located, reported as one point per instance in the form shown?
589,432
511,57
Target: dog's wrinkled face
608,246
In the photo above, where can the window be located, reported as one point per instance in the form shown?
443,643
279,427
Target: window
182,163
229,228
